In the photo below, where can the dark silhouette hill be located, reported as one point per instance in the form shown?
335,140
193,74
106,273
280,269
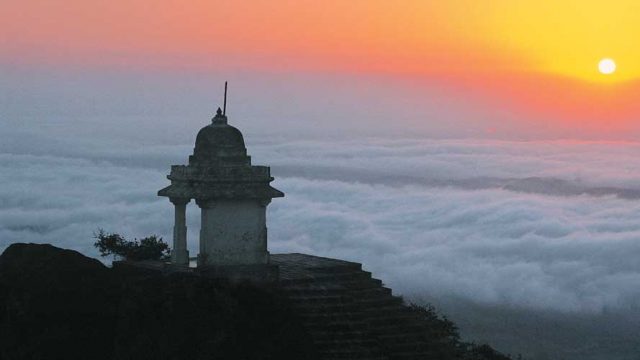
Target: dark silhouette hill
59,304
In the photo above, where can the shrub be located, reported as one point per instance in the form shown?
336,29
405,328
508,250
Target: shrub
148,248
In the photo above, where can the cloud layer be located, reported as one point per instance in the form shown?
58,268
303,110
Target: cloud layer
494,222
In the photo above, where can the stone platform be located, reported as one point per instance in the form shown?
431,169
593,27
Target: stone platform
348,313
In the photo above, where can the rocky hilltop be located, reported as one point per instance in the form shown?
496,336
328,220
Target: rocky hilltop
59,304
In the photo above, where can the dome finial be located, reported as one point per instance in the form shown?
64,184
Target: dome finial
219,118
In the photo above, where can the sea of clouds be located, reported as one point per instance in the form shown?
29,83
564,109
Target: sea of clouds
549,225
529,245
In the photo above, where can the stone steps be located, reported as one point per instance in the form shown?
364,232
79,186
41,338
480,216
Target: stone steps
350,314
333,289
327,308
412,355
343,355
320,299
384,328
376,291
380,301
355,282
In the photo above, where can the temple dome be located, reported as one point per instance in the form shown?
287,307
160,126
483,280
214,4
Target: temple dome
219,143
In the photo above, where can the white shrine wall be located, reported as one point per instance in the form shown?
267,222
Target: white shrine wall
233,232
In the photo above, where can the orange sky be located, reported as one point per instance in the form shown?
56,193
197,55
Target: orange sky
539,57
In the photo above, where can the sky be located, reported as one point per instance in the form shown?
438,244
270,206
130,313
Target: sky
469,154
533,64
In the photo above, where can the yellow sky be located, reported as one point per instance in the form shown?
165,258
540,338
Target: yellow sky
569,37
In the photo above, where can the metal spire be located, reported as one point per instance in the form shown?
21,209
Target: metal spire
224,106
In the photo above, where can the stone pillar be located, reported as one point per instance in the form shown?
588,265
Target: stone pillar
264,203
203,255
180,254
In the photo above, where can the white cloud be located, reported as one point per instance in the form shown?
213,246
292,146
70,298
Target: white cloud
62,201
491,246
492,221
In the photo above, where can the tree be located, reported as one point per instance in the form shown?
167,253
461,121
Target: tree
148,248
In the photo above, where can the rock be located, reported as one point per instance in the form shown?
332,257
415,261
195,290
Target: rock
59,304
55,304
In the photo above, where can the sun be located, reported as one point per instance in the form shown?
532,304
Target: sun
607,66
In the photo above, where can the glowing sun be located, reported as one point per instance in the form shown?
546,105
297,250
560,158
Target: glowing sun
607,66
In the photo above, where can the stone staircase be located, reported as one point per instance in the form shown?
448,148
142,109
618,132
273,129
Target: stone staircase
349,314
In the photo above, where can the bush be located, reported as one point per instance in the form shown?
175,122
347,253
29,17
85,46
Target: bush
148,248
444,338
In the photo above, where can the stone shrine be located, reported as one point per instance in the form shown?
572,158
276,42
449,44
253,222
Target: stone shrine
347,313
232,194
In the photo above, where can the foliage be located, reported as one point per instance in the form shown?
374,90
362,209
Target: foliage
440,327
445,339
485,351
148,248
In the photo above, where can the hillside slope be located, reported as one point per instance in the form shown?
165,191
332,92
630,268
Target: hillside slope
59,304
